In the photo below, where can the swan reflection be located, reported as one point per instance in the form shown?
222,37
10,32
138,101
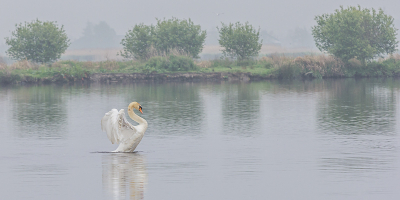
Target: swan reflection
124,175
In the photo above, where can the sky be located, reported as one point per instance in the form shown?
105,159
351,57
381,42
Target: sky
274,16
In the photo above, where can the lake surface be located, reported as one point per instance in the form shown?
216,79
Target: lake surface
321,139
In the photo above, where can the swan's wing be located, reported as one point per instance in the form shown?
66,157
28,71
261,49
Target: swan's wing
109,124
116,126
126,129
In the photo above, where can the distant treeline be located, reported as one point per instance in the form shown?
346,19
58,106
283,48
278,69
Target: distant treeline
101,35
95,36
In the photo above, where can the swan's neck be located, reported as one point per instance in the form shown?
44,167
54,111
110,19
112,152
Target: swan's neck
136,118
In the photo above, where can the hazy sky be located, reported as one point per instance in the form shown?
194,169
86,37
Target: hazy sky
277,15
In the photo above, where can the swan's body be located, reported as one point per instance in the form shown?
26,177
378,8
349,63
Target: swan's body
119,130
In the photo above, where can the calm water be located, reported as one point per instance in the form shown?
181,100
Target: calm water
332,139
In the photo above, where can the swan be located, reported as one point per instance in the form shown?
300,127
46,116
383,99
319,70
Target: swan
119,130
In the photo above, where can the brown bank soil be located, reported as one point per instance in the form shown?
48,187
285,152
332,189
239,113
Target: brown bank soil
138,77
186,77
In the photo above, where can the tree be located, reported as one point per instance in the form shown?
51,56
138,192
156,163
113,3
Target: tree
180,35
104,35
144,41
138,42
355,33
240,41
99,35
87,40
40,42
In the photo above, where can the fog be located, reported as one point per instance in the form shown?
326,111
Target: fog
277,19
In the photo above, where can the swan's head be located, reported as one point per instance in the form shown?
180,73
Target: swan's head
135,105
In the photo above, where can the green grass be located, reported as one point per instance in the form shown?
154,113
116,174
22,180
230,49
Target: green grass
317,66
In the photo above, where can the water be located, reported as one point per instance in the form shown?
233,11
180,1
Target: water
322,139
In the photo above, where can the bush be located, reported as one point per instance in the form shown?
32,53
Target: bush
156,64
181,35
168,36
320,66
265,63
355,33
225,63
245,63
138,42
181,63
171,63
40,42
288,71
239,41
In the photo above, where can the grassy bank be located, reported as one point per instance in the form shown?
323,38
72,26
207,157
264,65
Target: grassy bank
274,66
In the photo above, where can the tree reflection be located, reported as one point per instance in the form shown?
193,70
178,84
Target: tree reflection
174,108
241,108
357,122
124,175
39,108
357,107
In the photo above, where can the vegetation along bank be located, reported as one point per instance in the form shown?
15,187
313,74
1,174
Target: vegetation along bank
183,68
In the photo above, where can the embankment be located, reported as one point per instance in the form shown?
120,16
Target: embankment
137,77
190,77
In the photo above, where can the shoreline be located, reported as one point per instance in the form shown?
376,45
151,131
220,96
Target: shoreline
141,77
181,68
172,77
108,78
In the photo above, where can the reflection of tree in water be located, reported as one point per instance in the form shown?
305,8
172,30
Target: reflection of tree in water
39,111
240,108
174,108
124,175
358,107
357,122
3,92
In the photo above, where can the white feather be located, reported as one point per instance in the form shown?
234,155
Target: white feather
120,131
109,124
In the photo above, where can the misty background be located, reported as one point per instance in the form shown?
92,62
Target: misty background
101,24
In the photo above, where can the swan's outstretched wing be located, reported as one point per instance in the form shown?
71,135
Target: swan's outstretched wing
116,126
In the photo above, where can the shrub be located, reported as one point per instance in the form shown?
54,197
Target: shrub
171,36
171,63
40,42
156,64
245,63
266,62
225,63
239,41
355,33
181,35
288,71
181,63
320,66
138,42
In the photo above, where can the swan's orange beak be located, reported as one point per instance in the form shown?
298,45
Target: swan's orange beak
140,109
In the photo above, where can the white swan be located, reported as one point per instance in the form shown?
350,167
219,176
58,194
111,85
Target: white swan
119,130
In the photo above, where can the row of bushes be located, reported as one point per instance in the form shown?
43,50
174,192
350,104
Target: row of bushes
273,66
331,67
67,71
310,66
45,42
